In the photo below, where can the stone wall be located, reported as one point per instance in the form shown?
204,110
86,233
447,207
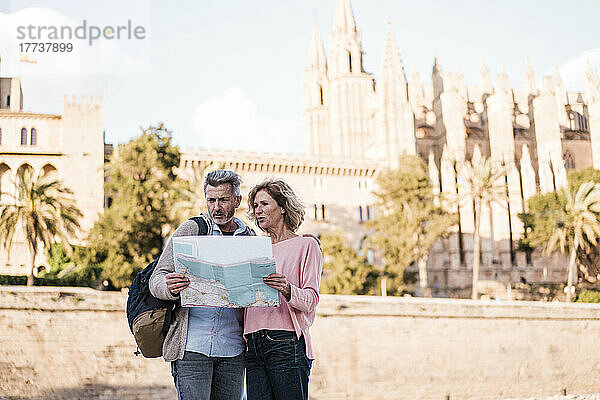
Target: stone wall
74,343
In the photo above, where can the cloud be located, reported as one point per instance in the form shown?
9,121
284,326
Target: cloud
572,71
104,56
232,121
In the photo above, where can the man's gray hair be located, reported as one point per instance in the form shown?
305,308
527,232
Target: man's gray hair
221,176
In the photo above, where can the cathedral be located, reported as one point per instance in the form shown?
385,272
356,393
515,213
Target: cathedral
356,125
538,133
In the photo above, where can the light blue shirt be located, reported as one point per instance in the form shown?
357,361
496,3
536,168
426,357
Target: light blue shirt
216,331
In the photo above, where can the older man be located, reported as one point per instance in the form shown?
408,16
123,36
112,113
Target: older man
205,344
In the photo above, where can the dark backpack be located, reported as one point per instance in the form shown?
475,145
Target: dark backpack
149,318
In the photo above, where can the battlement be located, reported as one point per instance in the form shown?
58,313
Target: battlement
85,102
280,163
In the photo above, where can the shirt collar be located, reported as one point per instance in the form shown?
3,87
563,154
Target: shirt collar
240,224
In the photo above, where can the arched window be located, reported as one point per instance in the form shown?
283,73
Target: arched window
23,168
33,137
569,160
50,171
23,137
7,101
4,180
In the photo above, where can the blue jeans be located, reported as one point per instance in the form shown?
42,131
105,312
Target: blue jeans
277,367
199,377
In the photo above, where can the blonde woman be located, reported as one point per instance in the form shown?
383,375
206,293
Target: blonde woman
279,353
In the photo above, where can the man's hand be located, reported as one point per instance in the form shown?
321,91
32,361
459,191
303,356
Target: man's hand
176,282
279,282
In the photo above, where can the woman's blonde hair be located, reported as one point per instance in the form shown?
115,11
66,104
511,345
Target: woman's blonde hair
285,198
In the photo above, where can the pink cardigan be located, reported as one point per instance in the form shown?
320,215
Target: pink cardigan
300,260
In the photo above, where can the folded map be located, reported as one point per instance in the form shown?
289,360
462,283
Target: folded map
225,280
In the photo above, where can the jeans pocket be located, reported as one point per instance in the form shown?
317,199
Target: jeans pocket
280,336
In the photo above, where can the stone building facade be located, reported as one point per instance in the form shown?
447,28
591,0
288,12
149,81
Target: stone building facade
356,126
537,132
69,146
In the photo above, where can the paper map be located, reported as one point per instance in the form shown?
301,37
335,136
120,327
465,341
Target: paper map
225,271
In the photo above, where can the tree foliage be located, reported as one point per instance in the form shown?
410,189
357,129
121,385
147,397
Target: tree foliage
409,218
344,271
143,187
43,209
547,213
580,227
71,267
577,178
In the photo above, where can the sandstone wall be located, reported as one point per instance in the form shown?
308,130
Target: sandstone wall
74,343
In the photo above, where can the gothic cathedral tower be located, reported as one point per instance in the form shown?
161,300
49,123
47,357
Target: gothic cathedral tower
338,113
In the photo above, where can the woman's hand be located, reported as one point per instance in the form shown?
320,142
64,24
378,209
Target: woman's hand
280,283
176,282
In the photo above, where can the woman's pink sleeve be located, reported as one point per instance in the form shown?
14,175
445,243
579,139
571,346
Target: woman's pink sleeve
306,296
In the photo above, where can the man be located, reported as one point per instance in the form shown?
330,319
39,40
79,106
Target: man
205,344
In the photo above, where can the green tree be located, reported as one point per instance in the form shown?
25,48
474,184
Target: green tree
546,210
344,271
578,226
485,184
143,187
69,266
577,178
410,219
43,209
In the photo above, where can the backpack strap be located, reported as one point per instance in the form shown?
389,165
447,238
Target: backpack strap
204,224
170,315
204,228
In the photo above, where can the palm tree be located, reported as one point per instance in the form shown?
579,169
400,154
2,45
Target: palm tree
485,184
45,211
579,226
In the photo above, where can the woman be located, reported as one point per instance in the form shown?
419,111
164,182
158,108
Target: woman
279,354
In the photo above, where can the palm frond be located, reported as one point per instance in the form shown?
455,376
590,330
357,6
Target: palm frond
44,209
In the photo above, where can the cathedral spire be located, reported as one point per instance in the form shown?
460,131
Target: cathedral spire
502,81
345,50
530,76
557,78
485,81
344,19
316,54
392,69
437,78
415,91
592,83
437,68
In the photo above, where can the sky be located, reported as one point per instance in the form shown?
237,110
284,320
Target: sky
228,74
